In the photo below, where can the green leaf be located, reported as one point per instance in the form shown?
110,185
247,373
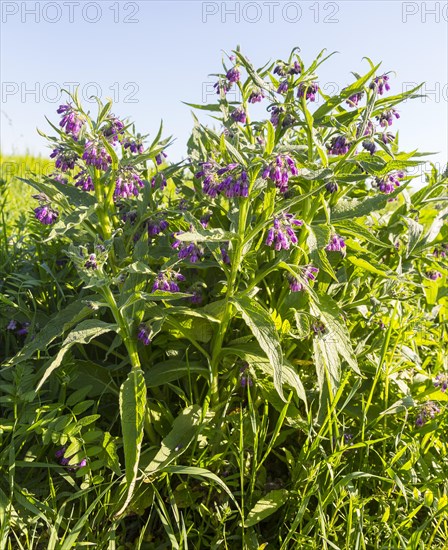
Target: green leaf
415,231
82,334
317,239
266,506
357,230
59,323
132,413
270,142
353,208
333,343
173,369
263,328
184,430
371,267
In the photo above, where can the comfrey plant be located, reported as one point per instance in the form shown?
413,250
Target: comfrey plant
255,278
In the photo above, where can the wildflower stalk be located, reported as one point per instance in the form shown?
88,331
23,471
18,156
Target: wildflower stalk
219,337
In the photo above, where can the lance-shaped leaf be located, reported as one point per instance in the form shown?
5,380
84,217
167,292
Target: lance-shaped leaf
132,413
263,328
82,334
266,506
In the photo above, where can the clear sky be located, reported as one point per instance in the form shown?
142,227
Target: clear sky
152,55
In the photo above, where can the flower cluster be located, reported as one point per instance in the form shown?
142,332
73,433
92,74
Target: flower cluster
44,212
22,331
64,461
380,83
84,180
354,99
245,378
188,250
441,252
310,273
166,280
282,234
309,91
339,146
156,226
225,255
441,381
388,183
232,76
427,412
96,155
336,244
71,120
127,183
239,115
159,158
256,96
386,117
65,158
283,69
433,275
114,129
159,179
134,145
91,262
331,187
143,334
279,171
234,184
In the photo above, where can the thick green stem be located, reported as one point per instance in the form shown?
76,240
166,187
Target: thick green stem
219,337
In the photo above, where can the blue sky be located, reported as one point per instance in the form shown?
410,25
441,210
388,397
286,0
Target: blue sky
150,56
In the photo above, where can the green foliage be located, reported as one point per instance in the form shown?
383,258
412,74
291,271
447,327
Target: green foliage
212,354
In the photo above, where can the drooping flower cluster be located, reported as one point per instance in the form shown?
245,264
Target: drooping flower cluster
281,235
22,331
309,273
387,184
59,178
159,180
339,146
155,227
239,115
441,252
386,118
65,158
167,281
225,255
71,120
127,183
143,334
318,327
427,412
283,69
134,145
283,87
96,155
159,158
256,96
114,129
331,187
84,180
279,171
235,182
91,262
354,99
232,76
380,83
441,381
188,250
336,244
245,378
433,275
64,461
308,90
44,212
